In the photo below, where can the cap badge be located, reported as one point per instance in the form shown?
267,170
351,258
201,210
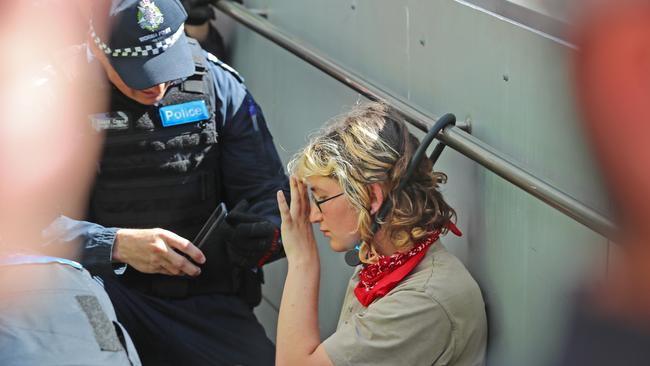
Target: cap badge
149,15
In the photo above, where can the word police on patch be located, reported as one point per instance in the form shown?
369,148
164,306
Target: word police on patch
179,114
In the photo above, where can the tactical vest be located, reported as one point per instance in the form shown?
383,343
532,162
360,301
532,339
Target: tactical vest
156,176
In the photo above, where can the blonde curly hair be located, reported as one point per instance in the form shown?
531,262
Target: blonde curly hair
371,144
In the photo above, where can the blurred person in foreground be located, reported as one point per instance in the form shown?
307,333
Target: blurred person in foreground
183,134
410,302
611,325
52,312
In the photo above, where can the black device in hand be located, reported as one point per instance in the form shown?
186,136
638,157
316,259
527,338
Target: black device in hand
214,221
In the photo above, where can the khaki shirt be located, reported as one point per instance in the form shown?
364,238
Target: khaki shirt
435,316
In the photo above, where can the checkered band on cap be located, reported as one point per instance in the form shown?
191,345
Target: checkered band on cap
137,51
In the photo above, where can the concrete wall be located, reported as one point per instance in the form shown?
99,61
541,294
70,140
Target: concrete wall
514,85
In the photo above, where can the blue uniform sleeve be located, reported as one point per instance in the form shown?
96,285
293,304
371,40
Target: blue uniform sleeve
96,241
250,166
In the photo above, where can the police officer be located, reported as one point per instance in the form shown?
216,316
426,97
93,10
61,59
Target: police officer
182,135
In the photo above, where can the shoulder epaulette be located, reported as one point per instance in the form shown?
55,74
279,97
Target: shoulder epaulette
212,58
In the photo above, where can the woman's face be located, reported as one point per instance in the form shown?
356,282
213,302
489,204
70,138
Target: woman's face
337,218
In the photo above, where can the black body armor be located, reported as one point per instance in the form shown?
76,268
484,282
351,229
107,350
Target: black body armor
151,176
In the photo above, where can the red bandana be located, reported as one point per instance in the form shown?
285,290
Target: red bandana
377,279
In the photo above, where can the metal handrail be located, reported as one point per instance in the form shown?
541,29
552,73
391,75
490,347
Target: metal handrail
452,136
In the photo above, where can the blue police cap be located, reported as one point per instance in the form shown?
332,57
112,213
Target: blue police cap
147,44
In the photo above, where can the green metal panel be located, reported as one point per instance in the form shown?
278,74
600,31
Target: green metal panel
514,85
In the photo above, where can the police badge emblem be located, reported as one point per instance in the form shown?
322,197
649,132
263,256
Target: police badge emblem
149,15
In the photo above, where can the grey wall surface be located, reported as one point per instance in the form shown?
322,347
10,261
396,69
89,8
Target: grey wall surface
514,85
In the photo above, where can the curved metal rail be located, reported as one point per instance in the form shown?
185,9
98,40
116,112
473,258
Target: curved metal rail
452,136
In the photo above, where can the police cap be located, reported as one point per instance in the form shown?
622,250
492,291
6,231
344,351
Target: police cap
146,43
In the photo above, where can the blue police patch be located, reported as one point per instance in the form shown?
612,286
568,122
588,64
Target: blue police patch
179,114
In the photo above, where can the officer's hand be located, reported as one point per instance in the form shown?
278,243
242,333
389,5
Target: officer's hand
254,240
154,251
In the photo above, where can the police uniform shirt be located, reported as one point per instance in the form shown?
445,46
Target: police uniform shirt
435,316
55,313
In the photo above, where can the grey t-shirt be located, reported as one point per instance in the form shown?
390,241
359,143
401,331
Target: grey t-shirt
435,316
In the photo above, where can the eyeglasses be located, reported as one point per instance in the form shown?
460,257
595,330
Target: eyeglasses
320,202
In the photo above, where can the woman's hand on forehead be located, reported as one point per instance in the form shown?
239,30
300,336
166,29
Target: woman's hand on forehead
297,232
